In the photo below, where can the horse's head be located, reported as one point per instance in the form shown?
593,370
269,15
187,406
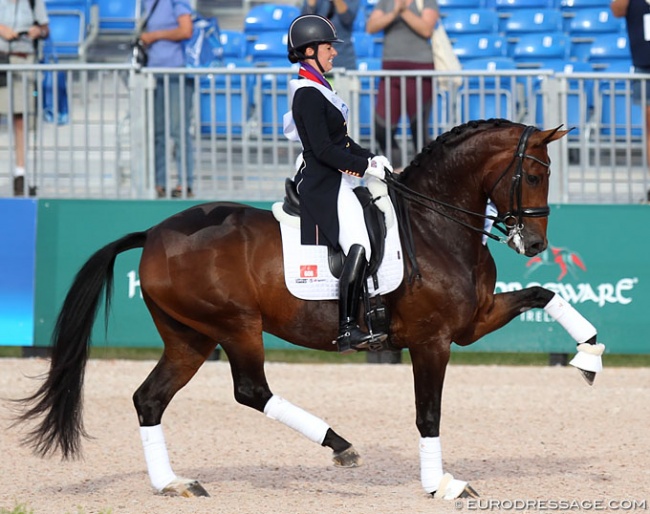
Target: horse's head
518,185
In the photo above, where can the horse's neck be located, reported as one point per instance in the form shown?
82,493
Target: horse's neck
442,225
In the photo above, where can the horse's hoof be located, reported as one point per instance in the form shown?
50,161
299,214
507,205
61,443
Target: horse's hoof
450,489
185,487
469,492
589,376
348,458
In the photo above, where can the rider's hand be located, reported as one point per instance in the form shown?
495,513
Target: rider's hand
381,159
375,169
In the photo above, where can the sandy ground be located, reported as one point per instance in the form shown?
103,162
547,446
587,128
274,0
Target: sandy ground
537,435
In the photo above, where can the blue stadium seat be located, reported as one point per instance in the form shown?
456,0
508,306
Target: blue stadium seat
529,21
76,26
472,46
233,43
275,99
118,16
579,95
526,21
367,93
587,25
532,49
269,46
225,100
620,118
269,17
447,6
486,96
67,31
506,6
607,48
471,21
572,5
367,45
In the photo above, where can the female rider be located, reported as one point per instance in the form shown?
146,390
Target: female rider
331,166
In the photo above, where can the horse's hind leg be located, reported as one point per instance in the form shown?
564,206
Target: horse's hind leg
185,351
251,389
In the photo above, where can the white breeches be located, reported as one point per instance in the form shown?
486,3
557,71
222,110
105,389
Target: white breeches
352,227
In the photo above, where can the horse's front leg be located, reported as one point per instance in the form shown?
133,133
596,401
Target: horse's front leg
429,365
506,306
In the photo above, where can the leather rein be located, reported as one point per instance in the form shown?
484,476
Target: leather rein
510,224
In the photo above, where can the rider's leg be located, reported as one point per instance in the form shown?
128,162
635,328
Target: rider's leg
353,239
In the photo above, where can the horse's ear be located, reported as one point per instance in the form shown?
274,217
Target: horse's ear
544,137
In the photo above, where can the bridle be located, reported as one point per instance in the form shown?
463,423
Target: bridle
511,224
515,216
513,220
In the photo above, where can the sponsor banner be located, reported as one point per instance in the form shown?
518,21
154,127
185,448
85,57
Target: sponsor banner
70,231
17,255
596,260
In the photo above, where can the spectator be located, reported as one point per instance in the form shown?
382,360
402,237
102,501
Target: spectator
637,16
169,25
342,14
20,27
407,46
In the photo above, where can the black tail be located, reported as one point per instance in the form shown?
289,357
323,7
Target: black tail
59,399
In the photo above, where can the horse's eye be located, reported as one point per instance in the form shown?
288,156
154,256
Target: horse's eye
532,180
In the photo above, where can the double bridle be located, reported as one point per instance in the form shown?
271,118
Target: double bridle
511,224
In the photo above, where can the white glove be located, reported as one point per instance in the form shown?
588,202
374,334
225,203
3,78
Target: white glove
381,159
375,168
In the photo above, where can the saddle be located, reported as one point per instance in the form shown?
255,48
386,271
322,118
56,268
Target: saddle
377,317
373,217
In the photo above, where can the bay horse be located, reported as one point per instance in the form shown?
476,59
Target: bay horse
213,275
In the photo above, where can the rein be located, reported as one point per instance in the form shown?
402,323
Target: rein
512,221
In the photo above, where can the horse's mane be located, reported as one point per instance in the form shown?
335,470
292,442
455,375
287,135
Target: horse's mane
452,137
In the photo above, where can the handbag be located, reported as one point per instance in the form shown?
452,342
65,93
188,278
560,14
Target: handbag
4,60
444,58
139,56
55,88
203,48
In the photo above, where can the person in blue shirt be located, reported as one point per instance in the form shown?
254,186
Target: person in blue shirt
637,17
342,14
169,25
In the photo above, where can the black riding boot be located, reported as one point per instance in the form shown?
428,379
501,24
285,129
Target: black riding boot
351,338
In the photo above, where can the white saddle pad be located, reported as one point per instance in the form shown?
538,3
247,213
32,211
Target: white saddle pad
306,267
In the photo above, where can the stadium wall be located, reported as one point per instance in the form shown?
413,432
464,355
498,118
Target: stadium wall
597,260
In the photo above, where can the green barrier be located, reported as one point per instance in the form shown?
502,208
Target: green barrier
595,260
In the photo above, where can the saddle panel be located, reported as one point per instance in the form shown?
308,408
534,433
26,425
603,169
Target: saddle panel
373,217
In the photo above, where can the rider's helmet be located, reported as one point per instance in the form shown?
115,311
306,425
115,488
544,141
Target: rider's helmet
308,30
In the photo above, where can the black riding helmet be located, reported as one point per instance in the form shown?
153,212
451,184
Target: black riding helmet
309,30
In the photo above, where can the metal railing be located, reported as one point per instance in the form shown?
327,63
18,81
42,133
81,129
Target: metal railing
105,149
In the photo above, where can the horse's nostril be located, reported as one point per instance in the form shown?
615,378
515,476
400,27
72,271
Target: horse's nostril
536,248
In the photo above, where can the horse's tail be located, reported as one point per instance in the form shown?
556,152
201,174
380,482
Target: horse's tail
59,399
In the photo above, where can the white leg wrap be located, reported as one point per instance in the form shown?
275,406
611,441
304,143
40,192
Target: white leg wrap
155,453
572,321
307,424
430,463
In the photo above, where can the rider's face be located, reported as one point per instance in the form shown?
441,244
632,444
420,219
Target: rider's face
325,56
